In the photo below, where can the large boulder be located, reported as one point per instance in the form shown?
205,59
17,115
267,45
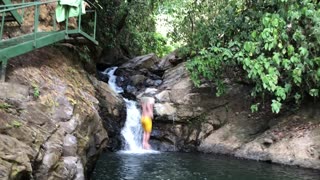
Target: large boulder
149,62
137,74
112,110
169,61
49,117
292,140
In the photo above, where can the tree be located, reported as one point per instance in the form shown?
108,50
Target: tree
273,45
130,25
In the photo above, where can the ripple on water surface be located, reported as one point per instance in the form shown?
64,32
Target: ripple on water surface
139,151
175,166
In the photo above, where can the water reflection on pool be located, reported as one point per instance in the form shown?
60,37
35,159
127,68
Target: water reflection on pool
176,166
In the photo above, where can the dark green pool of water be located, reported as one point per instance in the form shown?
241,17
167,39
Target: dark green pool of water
185,166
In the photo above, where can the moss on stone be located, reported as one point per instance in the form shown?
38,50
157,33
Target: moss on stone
5,106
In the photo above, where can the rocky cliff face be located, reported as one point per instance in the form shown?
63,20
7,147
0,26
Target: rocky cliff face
51,120
194,119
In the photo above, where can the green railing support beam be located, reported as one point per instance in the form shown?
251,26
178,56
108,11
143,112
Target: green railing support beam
19,45
79,16
22,13
26,5
67,21
43,39
14,12
2,25
16,5
36,24
54,21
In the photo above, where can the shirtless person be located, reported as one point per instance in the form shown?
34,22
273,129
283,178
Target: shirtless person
146,120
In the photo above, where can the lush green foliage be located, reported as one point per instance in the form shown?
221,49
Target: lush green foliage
275,43
131,26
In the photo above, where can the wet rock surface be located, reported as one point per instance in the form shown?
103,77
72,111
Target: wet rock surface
52,125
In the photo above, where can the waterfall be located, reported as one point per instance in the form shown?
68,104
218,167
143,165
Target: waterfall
132,130
112,79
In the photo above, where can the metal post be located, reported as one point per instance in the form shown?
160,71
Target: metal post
22,13
67,20
2,25
80,13
36,23
95,24
54,21
3,70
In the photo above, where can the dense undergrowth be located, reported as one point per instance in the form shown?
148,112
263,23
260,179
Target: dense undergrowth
273,45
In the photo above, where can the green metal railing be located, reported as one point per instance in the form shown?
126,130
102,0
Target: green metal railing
15,14
16,46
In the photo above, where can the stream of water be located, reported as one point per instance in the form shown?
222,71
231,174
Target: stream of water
133,163
132,130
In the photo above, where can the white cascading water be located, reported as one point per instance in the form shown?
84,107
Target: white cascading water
112,79
132,130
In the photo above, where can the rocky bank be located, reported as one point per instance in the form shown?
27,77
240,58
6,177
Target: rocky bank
55,118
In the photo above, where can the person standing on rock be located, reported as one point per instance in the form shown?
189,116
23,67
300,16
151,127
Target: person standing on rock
146,119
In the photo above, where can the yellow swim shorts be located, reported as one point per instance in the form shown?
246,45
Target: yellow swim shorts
146,123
